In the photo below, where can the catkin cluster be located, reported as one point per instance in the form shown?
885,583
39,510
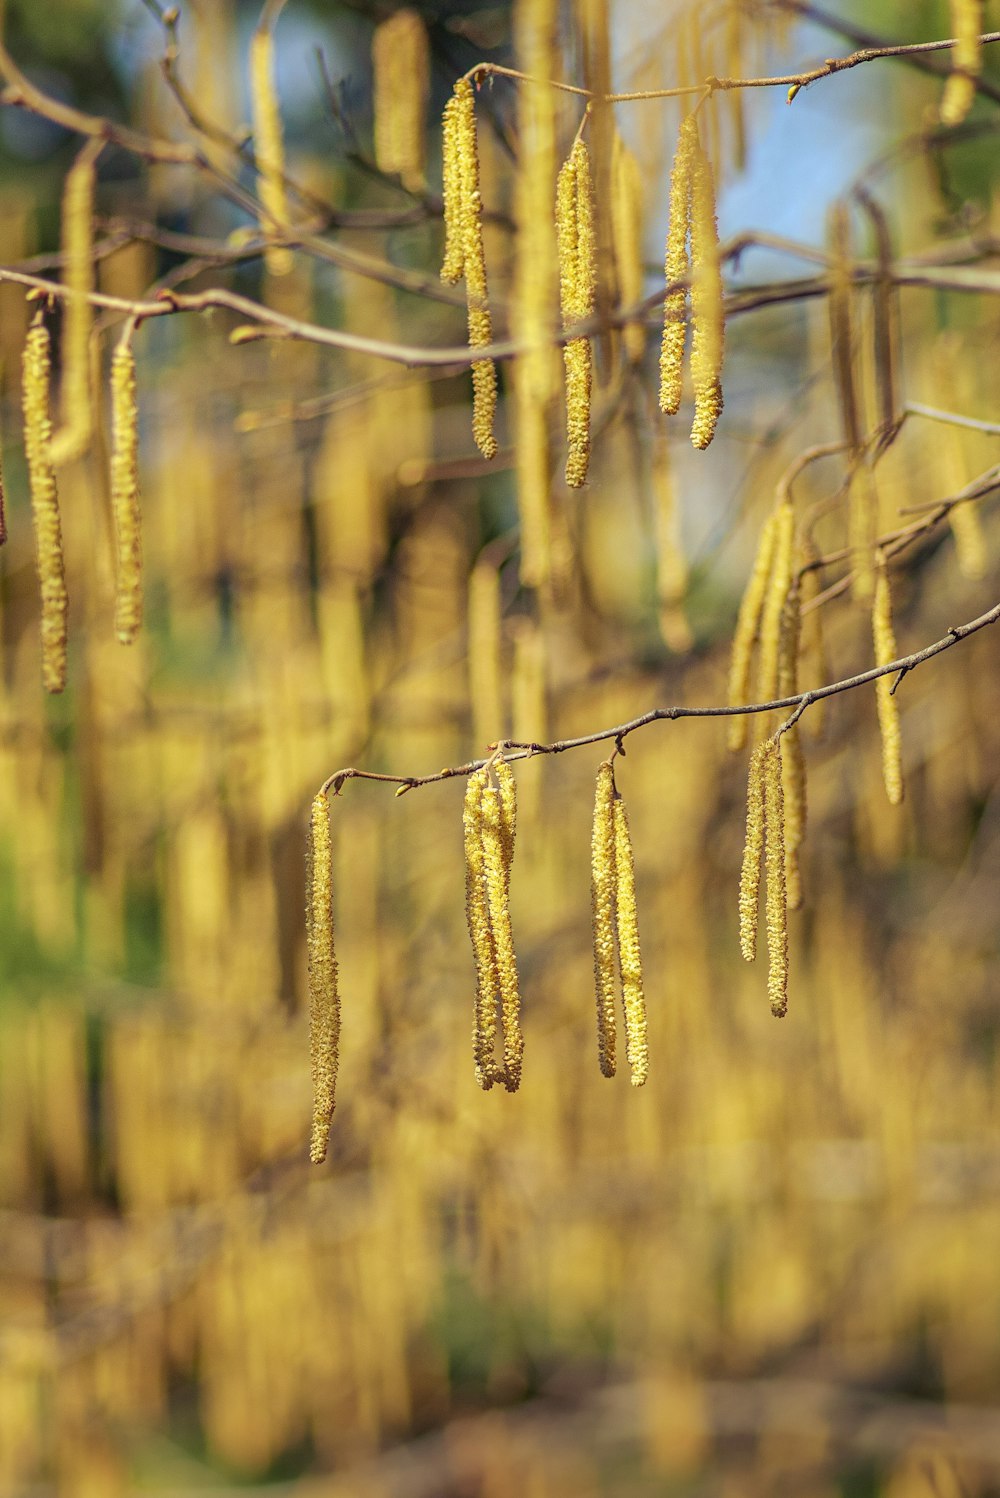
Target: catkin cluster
577,290
324,994
489,823
765,834
884,638
616,928
269,148
125,495
400,63
759,622
45,505
464,256
692,254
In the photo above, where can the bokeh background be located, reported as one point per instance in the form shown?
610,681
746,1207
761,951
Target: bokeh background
774,1269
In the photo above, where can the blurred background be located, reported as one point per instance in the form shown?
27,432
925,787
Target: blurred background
773,1269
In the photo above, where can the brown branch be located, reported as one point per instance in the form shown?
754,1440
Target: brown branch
799,701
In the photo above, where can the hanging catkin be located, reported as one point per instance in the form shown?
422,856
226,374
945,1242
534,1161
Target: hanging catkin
778,584
960,89
269,149
775,904
125,495
464,253
746,632
884,637
497,874
400,61
45,505
324,996
577,290
707,316
478,918
841,333
76,406
752,850
676,266
629,957
602,901
793,767
627,241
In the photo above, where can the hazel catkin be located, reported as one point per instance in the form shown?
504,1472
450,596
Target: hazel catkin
269,148
76,405
465,255
775,903
497,876
45,505
746,633
125,495
752,849
676,265
960,89
884,639
707,314
478,918
324,995
629,956
577,291
602,901
400,60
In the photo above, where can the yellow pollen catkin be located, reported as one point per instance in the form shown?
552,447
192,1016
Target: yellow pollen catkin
577,250
76,406
470,209
746,632
508,811
778,584
884,637
602,901
752,850
269,149
478,918
400,61
775,905
960,89
451,170
676,267
497,873
793,768
629,956
125,495
627,238
707,313
324,996
45,505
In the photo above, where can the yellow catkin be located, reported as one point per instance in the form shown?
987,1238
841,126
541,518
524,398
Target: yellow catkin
752,850
507,786
269,148
884,638
676,266
324,995
793,768
453,264
76,405
470,210
814,652
775,905
627,241
125,495
970,543
577,291
400,64
840,315
602,902
485,671
778,584
478,918
45,505
746,632
707,314
497,872
960,89
629,956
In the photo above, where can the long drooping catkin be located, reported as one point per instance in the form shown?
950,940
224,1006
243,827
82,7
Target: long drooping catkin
76,405
125,495
793,767
884,637
752,850
676,265
775,904
629,957
478,917
324,994
841,334
778,584
626,235
400,60
707,316
496,841
466,208
960,89
451,172
577,290
507,786
45,505
269,148
746,632
602,900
